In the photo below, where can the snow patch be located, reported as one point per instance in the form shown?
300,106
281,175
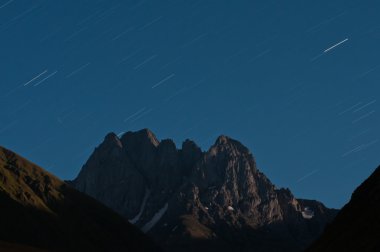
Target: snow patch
142,208
230,208
155,219
307,213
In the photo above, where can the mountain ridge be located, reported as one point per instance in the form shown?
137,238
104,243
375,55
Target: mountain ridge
183,196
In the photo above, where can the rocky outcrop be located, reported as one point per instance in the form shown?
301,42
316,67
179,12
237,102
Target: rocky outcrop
198,199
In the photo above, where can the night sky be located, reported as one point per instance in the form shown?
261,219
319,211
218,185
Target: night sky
295,81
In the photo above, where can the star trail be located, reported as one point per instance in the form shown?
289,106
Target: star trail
297,82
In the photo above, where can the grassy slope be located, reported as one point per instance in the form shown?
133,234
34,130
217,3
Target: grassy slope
38,209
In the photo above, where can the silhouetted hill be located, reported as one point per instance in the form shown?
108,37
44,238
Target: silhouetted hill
357,225
190,200
37,210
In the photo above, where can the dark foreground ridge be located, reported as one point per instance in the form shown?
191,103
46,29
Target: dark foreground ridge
357,225
39,212
189,200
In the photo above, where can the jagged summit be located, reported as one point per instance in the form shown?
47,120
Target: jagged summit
110,136
228,141
222,139
168,144
189,144
111,139
182,195
144,136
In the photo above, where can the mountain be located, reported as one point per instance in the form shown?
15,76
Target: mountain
39,212
190,200
357,225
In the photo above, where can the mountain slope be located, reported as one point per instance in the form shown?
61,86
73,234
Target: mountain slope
357,225
186,198
13,247
38,210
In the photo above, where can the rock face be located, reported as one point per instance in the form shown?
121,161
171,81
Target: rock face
39,212
357,225
189,199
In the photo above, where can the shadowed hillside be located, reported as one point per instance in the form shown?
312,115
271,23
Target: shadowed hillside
357,225
39,210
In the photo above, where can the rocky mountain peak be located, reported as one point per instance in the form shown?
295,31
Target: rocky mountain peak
229,160
230,146
109,149
167,145
190,154
112,139
189,145
222,139
154,185
141,138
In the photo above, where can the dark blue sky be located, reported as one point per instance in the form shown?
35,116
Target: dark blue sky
264,72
